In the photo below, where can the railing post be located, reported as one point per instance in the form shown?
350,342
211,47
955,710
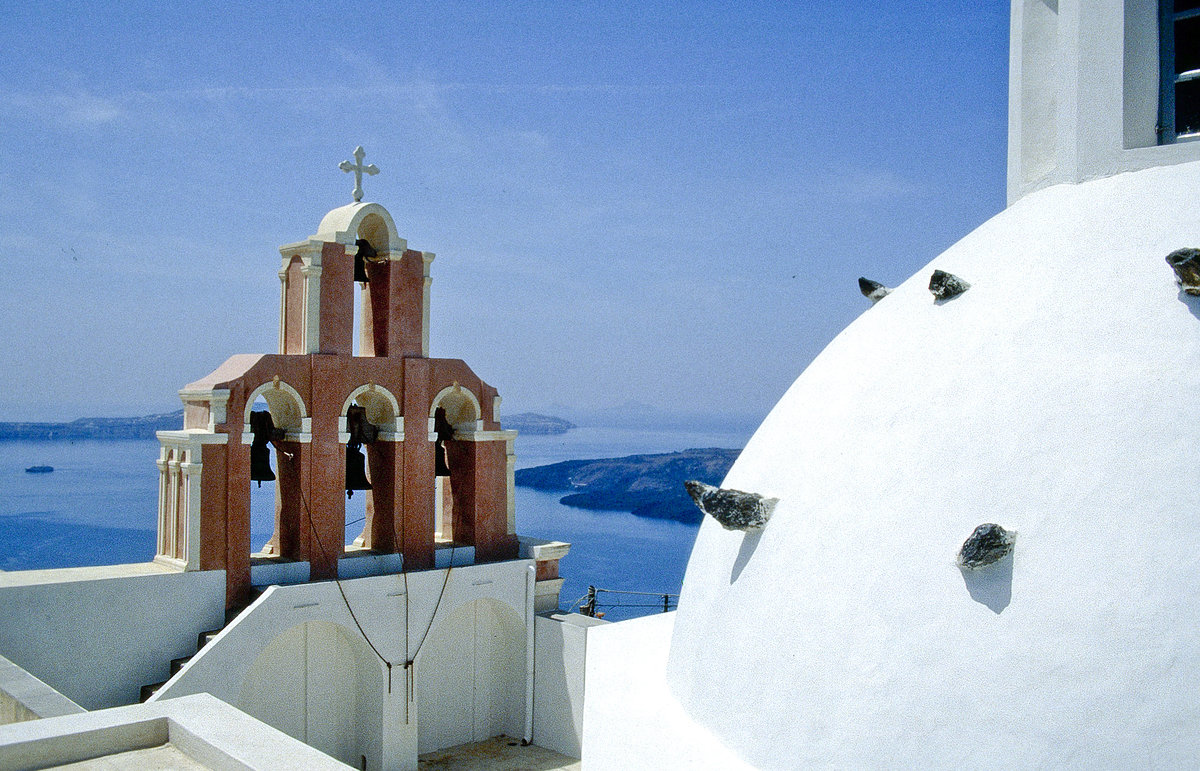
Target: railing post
589,605
666,603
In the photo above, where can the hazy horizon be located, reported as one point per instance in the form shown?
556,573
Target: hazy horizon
628,415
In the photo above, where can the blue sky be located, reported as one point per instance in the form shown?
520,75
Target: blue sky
666,204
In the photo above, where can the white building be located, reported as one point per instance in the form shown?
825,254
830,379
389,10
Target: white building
437,628
1099,88
1055,397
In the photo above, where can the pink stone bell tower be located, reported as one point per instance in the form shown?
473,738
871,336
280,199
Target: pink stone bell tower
319,394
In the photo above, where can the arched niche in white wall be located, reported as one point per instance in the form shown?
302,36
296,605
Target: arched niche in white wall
339,685
472,676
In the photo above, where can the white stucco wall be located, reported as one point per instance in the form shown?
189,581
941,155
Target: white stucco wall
25,697
1056,397
296,660
1083,92
630,718
1140,73
205,730
559,685
98,635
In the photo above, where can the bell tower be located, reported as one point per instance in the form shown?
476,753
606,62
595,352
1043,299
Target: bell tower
419,437
317,280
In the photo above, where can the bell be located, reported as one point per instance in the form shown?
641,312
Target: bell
361,430
262,427
365,252
444,431
356,470
260,464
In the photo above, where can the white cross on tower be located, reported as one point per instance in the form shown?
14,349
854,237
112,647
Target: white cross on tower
358,169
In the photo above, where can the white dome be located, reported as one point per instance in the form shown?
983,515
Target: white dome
1058,397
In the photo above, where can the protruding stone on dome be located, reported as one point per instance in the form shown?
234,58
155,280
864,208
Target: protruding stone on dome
734,509
946,286
988,544
1186,263
873,290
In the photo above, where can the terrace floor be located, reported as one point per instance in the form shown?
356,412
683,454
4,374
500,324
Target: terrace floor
500,753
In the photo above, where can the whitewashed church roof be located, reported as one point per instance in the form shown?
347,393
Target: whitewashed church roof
1057,397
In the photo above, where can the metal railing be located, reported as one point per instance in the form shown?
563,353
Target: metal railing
590,602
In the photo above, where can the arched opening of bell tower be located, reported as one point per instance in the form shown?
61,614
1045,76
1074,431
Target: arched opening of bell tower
264,483
372,247
370,429
454,418
273,426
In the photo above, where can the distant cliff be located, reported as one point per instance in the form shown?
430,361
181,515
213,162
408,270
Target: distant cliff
646,485
533,423
93,428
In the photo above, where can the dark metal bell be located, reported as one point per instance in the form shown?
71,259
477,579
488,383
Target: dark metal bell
260,464
365,253
262,427
356,471
444,431
361,430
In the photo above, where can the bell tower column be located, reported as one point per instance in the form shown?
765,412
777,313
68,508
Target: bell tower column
300,298
417,509
317,298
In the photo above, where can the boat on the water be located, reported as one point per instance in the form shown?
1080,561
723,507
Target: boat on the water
39,469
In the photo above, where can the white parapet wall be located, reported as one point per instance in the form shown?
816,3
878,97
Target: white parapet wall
558,691
631,720
377,670
197,731
97,635
24,697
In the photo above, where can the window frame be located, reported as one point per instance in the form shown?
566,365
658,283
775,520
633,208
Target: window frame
1168,79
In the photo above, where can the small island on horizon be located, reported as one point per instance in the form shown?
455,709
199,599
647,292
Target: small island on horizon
143,427
535,423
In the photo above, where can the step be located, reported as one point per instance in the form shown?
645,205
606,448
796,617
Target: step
204,638
150,690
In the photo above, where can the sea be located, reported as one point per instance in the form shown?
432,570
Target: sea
98,507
